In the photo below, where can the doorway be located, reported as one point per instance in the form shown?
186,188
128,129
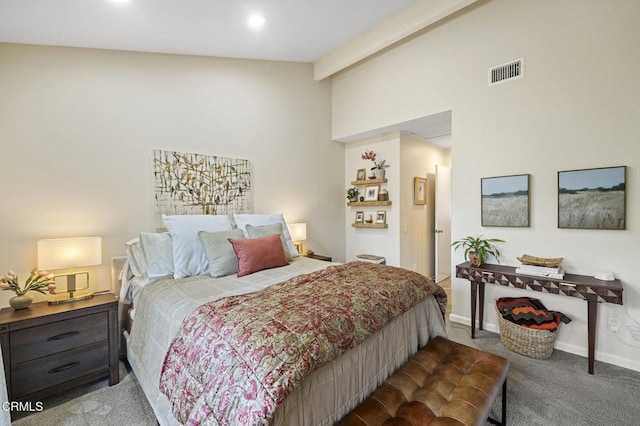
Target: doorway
442,227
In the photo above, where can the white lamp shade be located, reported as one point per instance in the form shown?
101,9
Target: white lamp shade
298,231
65,253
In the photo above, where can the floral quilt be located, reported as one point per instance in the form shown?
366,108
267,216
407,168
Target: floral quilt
236,359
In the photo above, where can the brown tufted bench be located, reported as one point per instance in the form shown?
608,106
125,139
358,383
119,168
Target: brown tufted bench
445,383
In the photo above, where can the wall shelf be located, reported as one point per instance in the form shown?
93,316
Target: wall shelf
369,225
368,203
368,181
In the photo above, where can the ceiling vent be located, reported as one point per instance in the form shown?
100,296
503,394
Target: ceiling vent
506,72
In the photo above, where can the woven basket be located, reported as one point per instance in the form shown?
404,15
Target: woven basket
526,341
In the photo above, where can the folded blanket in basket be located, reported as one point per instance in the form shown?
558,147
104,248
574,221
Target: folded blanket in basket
530,312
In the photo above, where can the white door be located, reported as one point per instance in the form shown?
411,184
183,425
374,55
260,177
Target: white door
442,229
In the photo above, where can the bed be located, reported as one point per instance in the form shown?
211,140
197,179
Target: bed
322,397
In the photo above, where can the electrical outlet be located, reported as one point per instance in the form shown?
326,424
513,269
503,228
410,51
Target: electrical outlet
613,324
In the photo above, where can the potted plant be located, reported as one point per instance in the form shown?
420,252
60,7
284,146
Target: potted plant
352,194
477,249
378,166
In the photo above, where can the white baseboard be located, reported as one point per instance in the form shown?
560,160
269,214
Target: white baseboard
573,349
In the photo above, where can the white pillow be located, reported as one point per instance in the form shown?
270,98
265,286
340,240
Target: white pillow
135,258
242,220
189,258
158,254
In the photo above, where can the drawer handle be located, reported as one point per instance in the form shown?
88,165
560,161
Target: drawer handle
63,336
63,367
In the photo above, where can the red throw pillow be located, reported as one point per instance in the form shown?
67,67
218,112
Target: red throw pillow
256,254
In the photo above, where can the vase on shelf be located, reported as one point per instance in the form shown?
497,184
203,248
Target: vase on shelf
379,173
20,302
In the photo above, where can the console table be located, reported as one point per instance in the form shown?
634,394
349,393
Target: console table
584,287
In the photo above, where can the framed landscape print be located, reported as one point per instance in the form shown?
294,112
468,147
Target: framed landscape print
592,198
505,201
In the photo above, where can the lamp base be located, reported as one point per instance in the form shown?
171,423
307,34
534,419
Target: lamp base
299,247
72,297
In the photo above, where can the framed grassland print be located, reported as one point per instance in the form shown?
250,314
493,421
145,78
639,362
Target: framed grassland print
592,198
381,216
419,191
361,174
359,217
371,192
505,201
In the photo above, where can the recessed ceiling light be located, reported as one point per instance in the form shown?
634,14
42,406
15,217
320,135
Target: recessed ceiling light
120,1
256,20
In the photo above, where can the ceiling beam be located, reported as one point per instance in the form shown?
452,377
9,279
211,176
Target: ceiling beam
407,22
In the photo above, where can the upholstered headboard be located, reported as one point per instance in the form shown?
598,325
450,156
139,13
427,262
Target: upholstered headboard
117,264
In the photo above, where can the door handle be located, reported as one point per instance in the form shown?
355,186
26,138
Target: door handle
437,231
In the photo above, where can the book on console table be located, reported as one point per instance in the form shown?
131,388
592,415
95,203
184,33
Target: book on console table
554,275
548,269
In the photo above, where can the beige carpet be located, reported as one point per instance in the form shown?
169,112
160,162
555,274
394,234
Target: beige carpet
123,404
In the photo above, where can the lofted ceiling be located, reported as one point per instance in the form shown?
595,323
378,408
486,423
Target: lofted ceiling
295,30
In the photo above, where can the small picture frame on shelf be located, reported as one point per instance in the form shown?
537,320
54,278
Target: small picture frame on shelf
381,216
359,217
371,192
361,174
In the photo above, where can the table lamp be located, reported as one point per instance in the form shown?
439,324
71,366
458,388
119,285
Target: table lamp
69,253
298,235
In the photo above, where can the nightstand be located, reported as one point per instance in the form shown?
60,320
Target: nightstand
51,348
318,257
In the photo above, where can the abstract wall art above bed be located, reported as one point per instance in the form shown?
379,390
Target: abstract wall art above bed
187,183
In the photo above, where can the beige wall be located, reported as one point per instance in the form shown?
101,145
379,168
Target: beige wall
418,158
78,127
576,107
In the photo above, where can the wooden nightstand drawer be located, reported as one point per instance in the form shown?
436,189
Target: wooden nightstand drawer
36,342
38,374
48,349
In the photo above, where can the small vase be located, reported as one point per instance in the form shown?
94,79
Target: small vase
20,302
379,173
475,259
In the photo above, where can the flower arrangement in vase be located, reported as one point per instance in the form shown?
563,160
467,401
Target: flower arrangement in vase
378,166
38,281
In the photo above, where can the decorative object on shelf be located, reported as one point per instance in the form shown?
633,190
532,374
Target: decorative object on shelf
383,195
381,216
352,193
361,198
371,192
592,198
477,249
369,219
310,252
361,174
547,262
379,166
298,233
68,253
505,201
359,217
419,191
38,281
